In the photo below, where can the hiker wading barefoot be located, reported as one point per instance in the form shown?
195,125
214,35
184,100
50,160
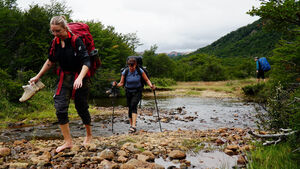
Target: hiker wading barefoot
74,65
133,87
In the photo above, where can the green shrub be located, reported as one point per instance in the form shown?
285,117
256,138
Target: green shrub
164,82
252,90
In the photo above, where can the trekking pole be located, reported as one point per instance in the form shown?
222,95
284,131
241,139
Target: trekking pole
112,102
157,110
140,106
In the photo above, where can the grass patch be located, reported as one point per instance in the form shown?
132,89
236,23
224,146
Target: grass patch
126,140
275,157
193,144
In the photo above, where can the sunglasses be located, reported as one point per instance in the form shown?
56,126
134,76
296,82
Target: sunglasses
131,64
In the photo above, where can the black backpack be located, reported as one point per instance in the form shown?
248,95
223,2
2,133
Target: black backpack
139,60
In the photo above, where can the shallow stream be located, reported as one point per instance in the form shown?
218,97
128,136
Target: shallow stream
185,113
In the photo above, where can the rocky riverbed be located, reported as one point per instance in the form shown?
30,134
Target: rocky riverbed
190,139
180,145
138,150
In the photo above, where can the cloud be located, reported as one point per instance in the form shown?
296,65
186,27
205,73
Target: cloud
170,24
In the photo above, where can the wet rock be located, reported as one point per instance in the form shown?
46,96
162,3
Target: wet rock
130,147
122,153
108,164
142,157
150,155
97,159
42,160
241,160
156,166
232,147
19,142
228,152
127,166
165,120
219,142
122,159
91,147
138,163
4,152
177,154
107,154
18,165
79,160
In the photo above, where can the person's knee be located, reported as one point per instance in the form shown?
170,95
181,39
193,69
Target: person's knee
62,117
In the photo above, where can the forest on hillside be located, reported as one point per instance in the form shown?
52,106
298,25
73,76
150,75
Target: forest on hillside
25,41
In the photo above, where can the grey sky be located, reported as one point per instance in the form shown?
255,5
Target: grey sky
173,25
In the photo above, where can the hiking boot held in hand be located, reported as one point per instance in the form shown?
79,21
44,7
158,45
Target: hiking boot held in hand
30,90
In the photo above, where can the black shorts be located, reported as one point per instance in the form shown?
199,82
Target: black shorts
260,74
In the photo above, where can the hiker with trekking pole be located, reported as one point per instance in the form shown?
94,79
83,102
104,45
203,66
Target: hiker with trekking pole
132,79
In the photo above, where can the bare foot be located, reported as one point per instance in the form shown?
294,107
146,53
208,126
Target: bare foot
87,140
65,146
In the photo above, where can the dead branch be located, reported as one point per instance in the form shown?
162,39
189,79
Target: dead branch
271,135
279,136
272,142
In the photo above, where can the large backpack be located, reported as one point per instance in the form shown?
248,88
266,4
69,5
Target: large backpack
264,64
82,30
139,60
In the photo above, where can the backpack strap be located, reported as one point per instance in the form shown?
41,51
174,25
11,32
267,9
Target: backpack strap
73,41
139,71
125,75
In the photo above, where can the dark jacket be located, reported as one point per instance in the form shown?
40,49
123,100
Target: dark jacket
70,59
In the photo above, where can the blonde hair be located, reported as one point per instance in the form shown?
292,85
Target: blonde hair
60,20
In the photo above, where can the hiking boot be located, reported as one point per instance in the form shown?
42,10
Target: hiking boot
30,90
39,84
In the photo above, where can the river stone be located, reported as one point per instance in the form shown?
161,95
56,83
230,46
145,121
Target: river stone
150,155
177,154
138,163
122,153
4,152
97,159
130,147
156,166
219,142
42,160
122,159
109,164
142,157
107,154
228,152
232,147
18,165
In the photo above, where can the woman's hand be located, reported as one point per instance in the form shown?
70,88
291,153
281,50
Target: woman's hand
33,80
153,87
77,84
114,83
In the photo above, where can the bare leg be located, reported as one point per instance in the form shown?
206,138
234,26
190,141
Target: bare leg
89,136
67,137
130,121
134,117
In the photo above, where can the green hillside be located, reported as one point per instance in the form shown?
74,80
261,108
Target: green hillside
250,40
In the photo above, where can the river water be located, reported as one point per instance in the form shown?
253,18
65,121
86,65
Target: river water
186,113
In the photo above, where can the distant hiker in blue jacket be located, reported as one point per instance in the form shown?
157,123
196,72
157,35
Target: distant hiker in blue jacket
259,71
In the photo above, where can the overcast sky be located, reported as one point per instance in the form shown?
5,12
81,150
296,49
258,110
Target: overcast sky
173,25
